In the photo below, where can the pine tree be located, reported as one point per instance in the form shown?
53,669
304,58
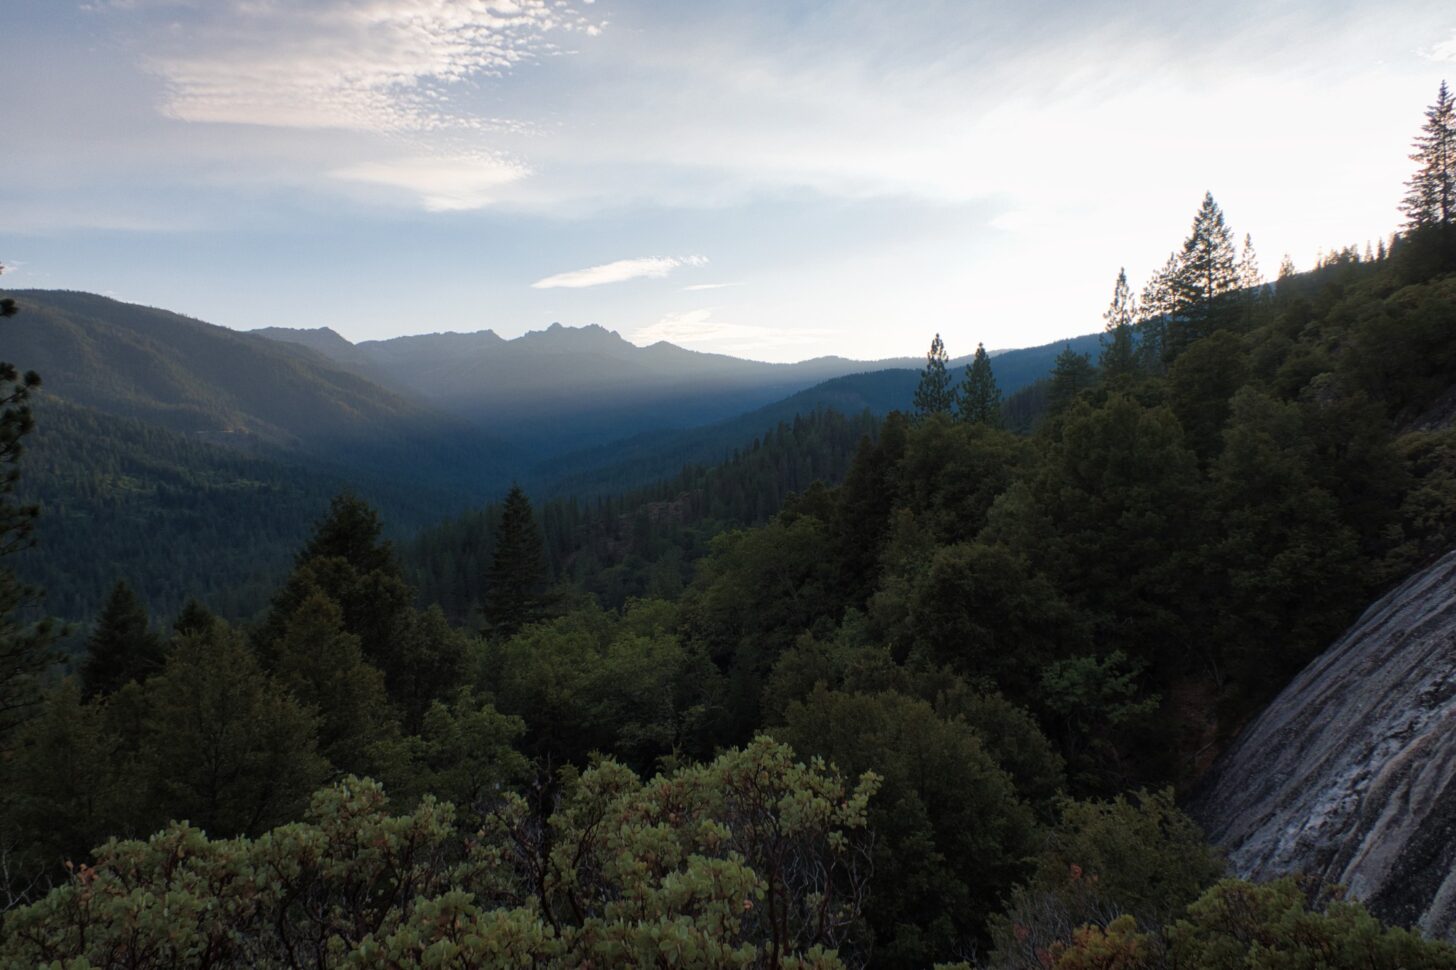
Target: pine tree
1207,272
1072,373
24,647
323,668
1431,193
346,558
517,576
122,648
1250,276
980,398
1287,270
350,531
1158,305
223,745
934,395
194,618
1119,356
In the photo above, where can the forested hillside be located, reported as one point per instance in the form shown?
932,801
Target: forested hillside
177,517
643,542
936,707
162,434
216,384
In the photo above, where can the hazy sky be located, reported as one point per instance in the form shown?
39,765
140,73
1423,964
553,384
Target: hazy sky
774,179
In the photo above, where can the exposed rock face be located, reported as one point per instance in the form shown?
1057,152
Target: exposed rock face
1350,774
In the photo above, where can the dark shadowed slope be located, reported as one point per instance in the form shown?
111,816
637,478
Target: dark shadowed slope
224,387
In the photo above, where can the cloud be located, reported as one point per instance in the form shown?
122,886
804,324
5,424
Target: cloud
697,287
444,184
379,65
645,267
1444,51
697,327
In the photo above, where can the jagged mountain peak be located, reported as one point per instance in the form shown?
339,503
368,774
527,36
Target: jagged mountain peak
453,339
591,335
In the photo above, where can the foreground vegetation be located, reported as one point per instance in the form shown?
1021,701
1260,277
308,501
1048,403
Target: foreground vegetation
936,714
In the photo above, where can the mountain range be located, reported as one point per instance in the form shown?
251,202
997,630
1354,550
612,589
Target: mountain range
583,389
139,402
567,388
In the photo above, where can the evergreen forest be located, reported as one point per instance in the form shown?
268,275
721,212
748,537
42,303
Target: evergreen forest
925,688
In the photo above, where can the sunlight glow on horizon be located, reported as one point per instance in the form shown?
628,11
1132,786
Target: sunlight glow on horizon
862,176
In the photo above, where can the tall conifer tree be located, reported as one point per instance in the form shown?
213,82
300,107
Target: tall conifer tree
1250,276
1072,373
517,576
1158,306
1119,357
123,647
1431,193
350,531
348,560
1207,272
980,398
934,395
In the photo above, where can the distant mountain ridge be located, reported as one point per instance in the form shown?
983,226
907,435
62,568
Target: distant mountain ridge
654,455
569,390
223,386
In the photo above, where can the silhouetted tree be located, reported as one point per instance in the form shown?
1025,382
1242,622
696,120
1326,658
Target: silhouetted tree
980,398
1119,357
1158,305
934,395
1207,271
1431,192
1250,277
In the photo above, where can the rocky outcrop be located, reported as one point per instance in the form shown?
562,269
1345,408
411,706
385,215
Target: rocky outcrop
1350,774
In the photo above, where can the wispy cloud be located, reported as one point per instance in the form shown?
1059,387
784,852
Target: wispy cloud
1444,51
698,287
644,267
381,65
385,93
443,184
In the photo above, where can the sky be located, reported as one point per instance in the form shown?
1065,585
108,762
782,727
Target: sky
776,180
